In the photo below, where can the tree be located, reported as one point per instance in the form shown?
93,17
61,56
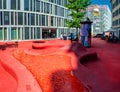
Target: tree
77,8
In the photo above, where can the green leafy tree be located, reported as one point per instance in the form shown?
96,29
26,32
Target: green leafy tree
77,8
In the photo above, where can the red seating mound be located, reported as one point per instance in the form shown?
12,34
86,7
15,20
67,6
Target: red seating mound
52,64
53,71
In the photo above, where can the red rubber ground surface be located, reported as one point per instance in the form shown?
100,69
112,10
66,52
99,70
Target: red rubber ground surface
102,75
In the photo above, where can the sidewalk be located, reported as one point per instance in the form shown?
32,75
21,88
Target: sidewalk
106,69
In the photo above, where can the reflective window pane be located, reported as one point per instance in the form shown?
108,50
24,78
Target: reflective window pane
6,18
18,3
41,6
0,4
5,34
19,34
35,33
36,19
4,4
26,32
13,4
25,18
40,20
51,20
31,33
12,18
20,18
26,5
37,6
46,20
1,18
15,18
38,33
46,7
32,19
32,5
29,19
1,34
13,34
43,20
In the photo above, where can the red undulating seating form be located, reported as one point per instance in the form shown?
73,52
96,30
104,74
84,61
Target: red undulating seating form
45,67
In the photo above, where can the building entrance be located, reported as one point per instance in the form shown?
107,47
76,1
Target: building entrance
49,33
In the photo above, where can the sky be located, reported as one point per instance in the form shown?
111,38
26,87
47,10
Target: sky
102,2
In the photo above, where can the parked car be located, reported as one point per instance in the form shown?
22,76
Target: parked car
98,35
103,36
73,37
111,37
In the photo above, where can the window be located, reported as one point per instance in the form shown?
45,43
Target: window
38,6
36,19
25,18
119,21
4,4
19,33
43,20
52,1
1,34
26,5
12,18
1,18
56,9
13,4
0,4
32,19
13,34
6,18
20,18
40,20
62,12
31,33
5,33
46,20
26,32
41,6
50,8
52,20
29,19
15,18
65,2
18,3
46,7
58,22
35,33
119,10
32,5
38,33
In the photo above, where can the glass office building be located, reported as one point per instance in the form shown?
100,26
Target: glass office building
32,19
101,17
116,16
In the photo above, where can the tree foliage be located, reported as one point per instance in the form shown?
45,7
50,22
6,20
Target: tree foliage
77,8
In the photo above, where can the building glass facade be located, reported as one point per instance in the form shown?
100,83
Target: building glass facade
32,19
101,17
116,16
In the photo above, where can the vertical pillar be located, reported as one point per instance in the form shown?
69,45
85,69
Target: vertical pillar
86,33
